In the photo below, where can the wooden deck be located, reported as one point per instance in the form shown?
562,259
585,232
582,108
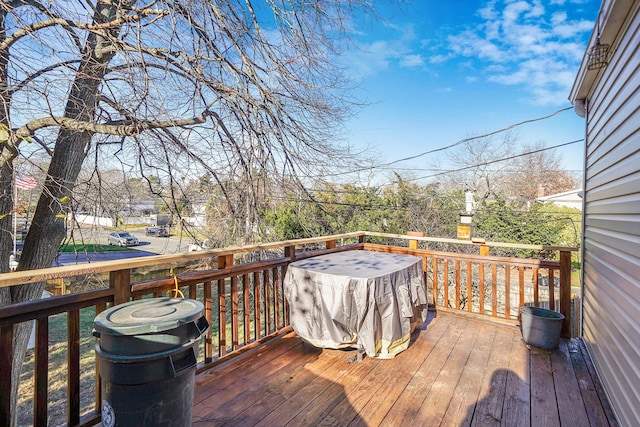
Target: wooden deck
458,371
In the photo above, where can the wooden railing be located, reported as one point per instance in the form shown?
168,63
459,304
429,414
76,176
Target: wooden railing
241,289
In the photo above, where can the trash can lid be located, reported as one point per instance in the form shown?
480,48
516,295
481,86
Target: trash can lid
148,316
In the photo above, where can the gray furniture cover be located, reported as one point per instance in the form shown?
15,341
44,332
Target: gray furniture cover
357,298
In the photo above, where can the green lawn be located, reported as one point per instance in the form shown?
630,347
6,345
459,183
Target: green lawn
91,247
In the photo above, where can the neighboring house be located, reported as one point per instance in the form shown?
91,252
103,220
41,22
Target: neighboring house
569,199
607,94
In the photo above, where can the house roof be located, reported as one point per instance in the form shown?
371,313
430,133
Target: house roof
571,198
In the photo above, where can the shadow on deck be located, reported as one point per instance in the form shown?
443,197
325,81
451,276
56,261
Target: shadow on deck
457,371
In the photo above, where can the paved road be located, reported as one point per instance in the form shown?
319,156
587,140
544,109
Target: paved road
160,245
149,245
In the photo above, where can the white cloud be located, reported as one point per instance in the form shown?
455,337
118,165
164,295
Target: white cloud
412,61
531,43
512,12
438,59
373,57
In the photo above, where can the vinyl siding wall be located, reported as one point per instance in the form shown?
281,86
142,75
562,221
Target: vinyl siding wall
611,322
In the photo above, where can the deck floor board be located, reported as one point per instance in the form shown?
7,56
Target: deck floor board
457,371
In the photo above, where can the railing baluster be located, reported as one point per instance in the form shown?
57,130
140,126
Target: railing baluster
552,289
469,287
256,306
457,262
285,303
99,308
521,284
234,313
276,298
536,287
208,313
41,380
481,288
445,282
73,367
222,318
6,365
425,274
507,291
267,302
494,289
434,267
246,302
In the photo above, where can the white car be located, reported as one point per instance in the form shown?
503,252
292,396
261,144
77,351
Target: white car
122,238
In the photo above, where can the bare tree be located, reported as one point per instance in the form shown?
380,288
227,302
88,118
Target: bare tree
476,164
167,87
108,193
539,173
499,166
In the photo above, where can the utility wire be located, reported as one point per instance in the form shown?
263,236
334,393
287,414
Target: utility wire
496,161
462,141
381,205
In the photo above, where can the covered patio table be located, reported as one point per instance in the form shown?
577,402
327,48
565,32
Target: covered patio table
357,298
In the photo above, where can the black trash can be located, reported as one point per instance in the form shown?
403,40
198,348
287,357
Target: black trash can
147,353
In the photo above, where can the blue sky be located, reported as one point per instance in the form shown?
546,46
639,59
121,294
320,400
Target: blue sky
435,72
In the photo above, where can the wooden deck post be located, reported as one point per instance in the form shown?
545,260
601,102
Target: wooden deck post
565,292
413,244
290,252
120,281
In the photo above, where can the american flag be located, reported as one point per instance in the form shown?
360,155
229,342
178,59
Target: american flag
25,182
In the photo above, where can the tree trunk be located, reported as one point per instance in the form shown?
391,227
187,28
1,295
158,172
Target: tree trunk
7,154
48,226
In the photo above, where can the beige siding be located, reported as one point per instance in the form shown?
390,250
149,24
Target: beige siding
611,327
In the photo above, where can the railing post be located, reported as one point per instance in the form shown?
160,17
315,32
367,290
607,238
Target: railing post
120,281
330,244
225,261
413,244
565,292
290,252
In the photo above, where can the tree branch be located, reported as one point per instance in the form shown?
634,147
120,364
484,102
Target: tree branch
32,77
119,127
29,29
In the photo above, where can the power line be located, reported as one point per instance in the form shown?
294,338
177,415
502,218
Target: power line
380,205
412,169
455,144
462,141
497,160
